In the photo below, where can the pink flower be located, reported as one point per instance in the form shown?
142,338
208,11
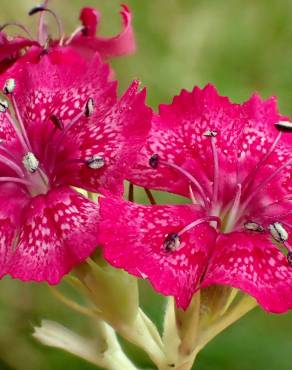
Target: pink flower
83,39
67,130
234,162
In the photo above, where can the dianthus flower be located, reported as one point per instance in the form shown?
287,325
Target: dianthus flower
234,162
61,128
83,39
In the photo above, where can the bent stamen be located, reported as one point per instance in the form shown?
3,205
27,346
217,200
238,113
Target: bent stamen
11,164
173,240
155,160
199,222
42,8
250,177
265,182
18,25
15,179
20,122
78,30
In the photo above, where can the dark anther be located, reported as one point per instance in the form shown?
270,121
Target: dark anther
57,122
171,242
153,161
289,258
36,9
89,107
284,126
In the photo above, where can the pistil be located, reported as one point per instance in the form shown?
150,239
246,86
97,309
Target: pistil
173,240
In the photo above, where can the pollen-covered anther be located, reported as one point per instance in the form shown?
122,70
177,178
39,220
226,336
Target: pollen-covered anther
30,162
153,161
9,86
95,162
89,108
284,126
171,242
210,133
253,226
278,232
3,106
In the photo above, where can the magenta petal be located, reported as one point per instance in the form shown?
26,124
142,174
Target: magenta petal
13,199
177,136
133,236
252,263
59,230
122,44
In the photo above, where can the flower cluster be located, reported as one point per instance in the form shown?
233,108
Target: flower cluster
65,135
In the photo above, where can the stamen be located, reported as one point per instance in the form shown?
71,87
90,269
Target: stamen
74,34
95,162
253,226
9,86
265,182
42,32
212,135
199,222
42,8
155,160
284,126
19,25
6,151
20,121
30,162
15,179
13,125
173,240
68,127
9,163
3,106
89,108
278,232
252,174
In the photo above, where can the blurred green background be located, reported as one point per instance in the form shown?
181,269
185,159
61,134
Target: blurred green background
240,46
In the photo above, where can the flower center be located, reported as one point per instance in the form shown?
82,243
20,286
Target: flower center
234,215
